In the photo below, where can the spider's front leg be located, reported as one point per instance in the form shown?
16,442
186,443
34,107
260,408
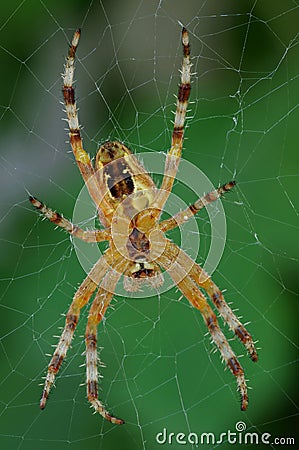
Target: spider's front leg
199,276
180,268
82,157
81,297
96,314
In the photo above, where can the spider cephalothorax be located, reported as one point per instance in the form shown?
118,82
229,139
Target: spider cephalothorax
129,206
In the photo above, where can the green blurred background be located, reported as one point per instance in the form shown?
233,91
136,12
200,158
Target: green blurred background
160,372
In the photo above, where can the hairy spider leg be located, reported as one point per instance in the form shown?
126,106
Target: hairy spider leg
182,216
81,297
97,311
200,277
82,158
173,260
175,152
74,230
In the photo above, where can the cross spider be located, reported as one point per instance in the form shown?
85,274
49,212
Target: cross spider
129,206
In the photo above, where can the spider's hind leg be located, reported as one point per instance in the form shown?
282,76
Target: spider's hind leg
175,152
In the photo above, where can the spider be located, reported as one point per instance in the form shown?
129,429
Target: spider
129,206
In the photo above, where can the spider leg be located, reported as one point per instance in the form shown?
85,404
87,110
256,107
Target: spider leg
182,216
96,314
173,260
198,275
82,158
81,297
174,154
84,235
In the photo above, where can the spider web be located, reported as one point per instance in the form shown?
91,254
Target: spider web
160,372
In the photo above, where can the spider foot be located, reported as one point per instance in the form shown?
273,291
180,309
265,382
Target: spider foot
238,372
99,407
50,378
244,403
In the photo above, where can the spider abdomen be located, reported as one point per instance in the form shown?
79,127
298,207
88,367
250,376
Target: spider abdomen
119,179
123,180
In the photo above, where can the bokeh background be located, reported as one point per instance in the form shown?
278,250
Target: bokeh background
160,371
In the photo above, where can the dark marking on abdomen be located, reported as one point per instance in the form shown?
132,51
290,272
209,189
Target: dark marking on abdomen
119,179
